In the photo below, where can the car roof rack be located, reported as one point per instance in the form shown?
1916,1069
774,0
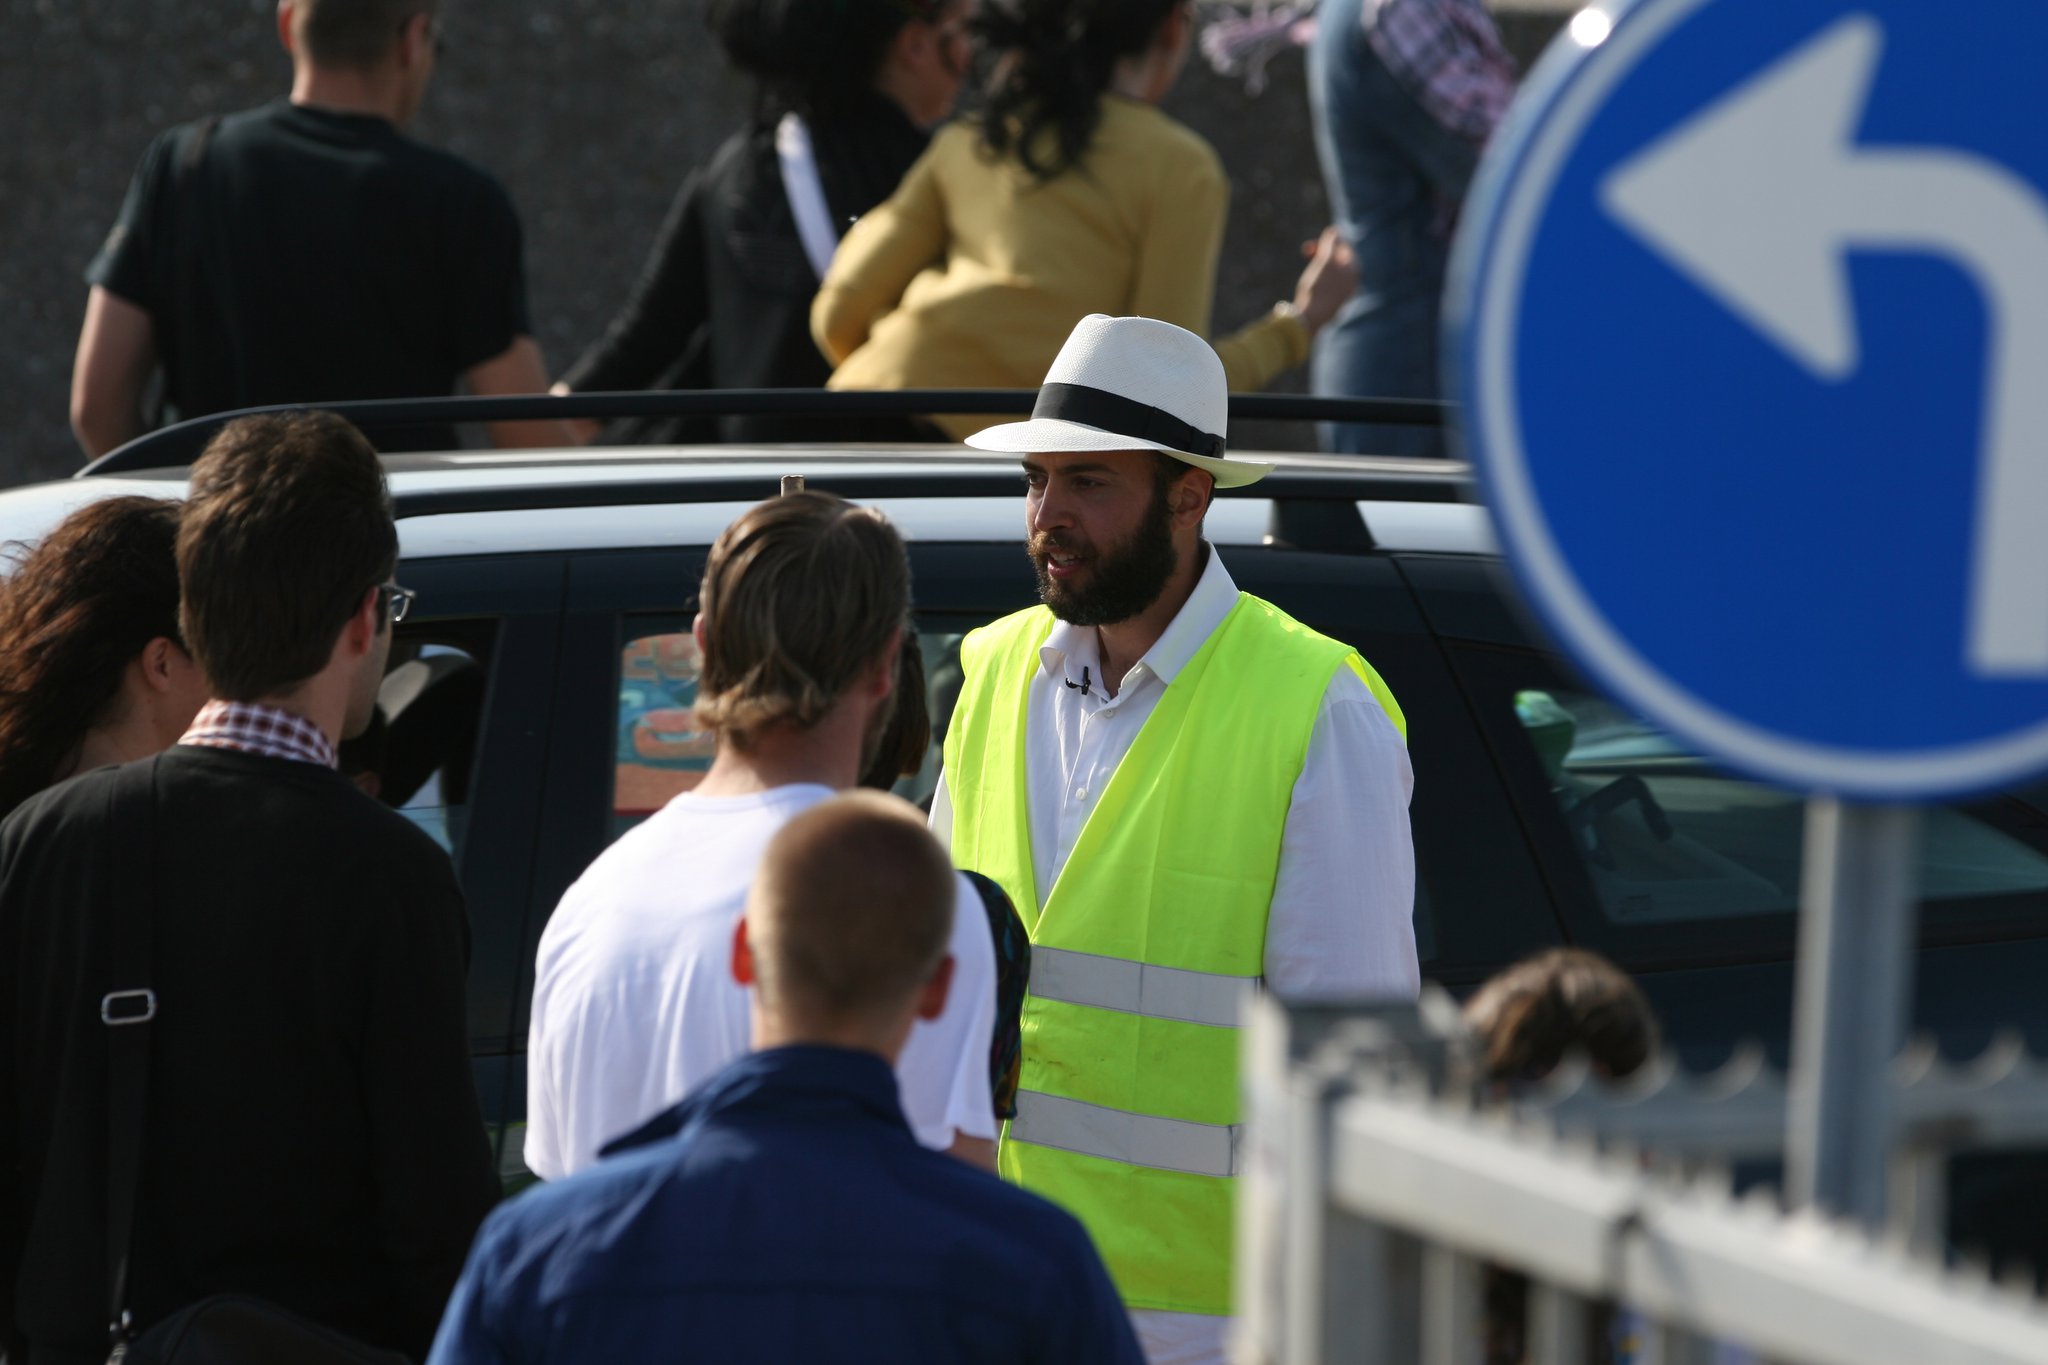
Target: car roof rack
177,446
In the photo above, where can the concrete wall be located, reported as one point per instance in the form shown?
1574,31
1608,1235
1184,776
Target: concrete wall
589,110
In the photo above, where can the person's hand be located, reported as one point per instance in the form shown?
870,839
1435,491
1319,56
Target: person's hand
1327,280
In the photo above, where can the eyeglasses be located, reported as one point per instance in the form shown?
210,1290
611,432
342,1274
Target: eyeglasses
396,600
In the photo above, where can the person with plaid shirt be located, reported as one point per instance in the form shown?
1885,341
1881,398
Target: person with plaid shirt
312,1135
1405,94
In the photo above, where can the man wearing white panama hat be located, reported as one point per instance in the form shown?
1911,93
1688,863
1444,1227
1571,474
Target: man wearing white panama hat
1186,793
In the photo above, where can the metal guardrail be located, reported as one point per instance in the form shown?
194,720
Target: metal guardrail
1378,1191
1996,1100
179,444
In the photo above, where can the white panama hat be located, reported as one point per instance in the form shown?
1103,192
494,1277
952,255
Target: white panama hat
1131,384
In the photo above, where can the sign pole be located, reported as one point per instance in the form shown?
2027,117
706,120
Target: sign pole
1854,1001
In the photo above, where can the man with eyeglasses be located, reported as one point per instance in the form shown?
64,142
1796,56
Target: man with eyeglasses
311,1134
308,251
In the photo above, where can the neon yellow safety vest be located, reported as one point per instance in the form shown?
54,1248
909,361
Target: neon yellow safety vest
1127,1113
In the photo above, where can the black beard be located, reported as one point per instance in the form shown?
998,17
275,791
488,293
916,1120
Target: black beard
1127,579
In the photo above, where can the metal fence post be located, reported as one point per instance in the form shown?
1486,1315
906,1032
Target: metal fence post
1263,1191
1451,1306
1306,1153
1560,1330
1918,1194
1856,938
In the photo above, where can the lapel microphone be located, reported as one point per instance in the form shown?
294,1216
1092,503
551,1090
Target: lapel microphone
1083,684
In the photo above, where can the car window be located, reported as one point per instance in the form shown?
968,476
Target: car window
1665,837
420,753
660,752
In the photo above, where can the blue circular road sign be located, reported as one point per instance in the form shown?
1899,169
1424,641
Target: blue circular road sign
1749,325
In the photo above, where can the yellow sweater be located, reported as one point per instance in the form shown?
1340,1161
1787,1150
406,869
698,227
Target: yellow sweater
973,273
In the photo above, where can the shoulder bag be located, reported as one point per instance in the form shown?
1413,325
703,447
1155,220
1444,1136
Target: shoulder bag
226,1329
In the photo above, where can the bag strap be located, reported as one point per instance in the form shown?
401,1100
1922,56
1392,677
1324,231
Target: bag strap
184,171
125,1011
806,192
190,226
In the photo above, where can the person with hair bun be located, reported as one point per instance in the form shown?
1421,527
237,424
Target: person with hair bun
847,91
1070,193
802,611
93,667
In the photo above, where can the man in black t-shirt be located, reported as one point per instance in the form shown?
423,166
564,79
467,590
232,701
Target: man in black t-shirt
311,1133
308,251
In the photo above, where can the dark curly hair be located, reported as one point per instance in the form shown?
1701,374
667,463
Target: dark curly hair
1056,58
1533,1013
900,749
76,609
811,56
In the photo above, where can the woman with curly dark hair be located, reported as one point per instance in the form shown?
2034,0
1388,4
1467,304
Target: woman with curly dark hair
1071,193
93,670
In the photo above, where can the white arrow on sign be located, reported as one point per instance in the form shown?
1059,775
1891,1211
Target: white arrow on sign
1760,198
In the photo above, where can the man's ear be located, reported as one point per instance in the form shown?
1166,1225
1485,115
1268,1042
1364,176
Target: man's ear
362,628
1191,494
931,997
156,664
742,955
887,664
286,13
414,39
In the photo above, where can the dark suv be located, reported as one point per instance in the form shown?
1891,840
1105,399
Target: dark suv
540,704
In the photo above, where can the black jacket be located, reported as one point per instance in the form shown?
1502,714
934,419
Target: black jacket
724,301
313,1134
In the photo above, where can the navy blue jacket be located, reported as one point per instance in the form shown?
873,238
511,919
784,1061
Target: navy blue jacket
784,1213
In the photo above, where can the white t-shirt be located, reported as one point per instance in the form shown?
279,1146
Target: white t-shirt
634,1002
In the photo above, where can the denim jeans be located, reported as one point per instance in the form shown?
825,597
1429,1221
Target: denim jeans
1391,170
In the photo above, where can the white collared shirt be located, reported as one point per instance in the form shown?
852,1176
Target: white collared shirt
1342,923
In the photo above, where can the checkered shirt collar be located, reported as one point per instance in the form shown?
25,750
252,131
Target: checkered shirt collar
254,729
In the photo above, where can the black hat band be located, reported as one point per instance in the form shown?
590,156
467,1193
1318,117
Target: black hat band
1125,416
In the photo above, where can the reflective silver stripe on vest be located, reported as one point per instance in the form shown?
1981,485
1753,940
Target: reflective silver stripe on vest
1111,983
1134,1139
